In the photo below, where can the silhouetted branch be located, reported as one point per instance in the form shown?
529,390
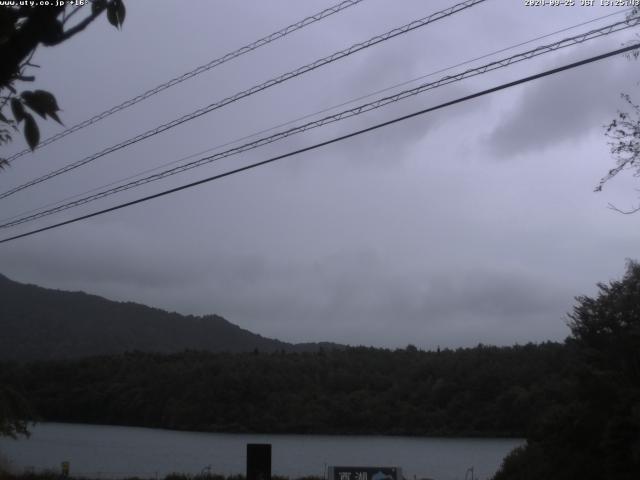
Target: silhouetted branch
624,212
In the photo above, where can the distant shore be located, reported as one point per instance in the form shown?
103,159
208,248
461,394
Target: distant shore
481,392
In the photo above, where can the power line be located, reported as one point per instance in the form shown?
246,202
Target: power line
503,63
333,140
616,27
255,89
196,71
310,115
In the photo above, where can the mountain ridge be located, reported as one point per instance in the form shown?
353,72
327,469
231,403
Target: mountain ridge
40,323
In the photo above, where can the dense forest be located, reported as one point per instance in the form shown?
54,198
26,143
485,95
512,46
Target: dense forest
577,403
45,324
595,433
486,391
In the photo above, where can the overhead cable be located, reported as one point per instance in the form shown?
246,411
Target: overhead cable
495,65
258,88
331,141
192,73
309,115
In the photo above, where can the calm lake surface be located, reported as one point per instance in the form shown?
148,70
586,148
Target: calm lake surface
114,452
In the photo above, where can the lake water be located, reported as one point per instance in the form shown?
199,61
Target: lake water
114,452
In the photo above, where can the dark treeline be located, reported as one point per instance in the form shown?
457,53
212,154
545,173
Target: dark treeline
487,391
577,403
595,433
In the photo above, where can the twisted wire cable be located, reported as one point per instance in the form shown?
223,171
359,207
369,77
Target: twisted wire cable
196,71
255,89
311,115
333,140
367,107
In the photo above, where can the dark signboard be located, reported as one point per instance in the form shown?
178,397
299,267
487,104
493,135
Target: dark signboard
365,473
258,461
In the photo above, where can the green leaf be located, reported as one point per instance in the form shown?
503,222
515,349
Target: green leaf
54,115
112,15
98,6
116,13
33,103
48,99
122,11
51,32
18,110
31,131
43,103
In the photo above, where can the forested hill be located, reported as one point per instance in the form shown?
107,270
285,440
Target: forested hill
487,391
43,324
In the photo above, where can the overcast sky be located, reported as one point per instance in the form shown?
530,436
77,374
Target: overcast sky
476,223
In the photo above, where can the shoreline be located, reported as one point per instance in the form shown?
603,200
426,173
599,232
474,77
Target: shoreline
463,436
94,451
56,475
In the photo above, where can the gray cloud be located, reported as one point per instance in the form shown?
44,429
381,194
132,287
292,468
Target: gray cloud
564,107
411,234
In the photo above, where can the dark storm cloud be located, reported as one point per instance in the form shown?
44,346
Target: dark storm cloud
349,295
410,234
564,107
357,294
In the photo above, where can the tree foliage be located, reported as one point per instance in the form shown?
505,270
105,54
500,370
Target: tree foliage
22,29
623,133
481,391
14,413
596,434
624,142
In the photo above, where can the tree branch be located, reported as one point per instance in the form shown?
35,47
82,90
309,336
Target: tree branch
624,212
82,25
25,40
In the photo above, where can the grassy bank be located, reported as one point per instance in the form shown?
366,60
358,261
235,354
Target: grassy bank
172,476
